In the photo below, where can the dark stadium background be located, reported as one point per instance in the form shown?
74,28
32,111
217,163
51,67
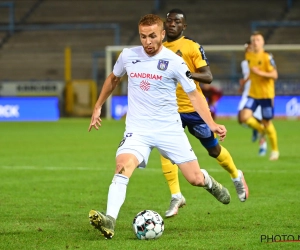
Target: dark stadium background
39,37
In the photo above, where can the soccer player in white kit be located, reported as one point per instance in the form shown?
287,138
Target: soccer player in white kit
152,119
244,88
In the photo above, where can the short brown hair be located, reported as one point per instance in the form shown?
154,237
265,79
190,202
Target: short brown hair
256,33
151,19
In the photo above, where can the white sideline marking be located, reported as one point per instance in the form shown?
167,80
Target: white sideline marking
49,168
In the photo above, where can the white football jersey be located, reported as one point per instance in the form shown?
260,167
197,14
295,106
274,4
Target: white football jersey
246,72
152,82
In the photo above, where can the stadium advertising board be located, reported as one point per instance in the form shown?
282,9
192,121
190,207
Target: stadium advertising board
32,88
285,106
119,106
29,108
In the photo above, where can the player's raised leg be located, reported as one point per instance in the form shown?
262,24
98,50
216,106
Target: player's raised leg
171,174
272,134
225,160
262,145
200,177
208,139
257,114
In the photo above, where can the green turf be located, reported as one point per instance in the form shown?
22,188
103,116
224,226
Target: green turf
53,173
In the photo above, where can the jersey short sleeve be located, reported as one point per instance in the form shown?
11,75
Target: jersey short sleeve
271,62
187,84
198,55
119,67
245,69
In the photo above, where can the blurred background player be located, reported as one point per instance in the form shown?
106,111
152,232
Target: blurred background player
244,89
194,56
213,95
263,73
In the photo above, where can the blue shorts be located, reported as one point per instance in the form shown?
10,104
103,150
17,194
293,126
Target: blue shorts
198,128
267,108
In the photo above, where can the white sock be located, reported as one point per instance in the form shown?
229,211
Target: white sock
263,145
207,180
237,178
116,195
177,196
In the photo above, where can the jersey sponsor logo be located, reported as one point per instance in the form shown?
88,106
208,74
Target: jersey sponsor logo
145,85
162,65
145,75
136,61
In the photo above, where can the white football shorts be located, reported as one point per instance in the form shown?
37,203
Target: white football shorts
172,144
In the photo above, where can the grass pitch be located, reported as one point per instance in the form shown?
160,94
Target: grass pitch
53,173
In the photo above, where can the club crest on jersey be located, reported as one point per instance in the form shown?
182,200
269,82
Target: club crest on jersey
162,65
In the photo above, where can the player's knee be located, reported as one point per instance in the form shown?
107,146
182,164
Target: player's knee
245,115
120,169
124,169
242,118
266,123
239,118
214,151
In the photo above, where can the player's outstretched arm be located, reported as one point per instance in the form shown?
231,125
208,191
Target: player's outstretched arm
109,85
272,74
242,83
203,75
200,105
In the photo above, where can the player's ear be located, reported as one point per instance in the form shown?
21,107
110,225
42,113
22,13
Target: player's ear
184,26
163,34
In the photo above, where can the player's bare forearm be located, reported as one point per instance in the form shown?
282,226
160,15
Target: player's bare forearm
203,75
272,74
242,82
108,87
201,107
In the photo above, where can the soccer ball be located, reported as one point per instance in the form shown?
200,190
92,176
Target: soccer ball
148,225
